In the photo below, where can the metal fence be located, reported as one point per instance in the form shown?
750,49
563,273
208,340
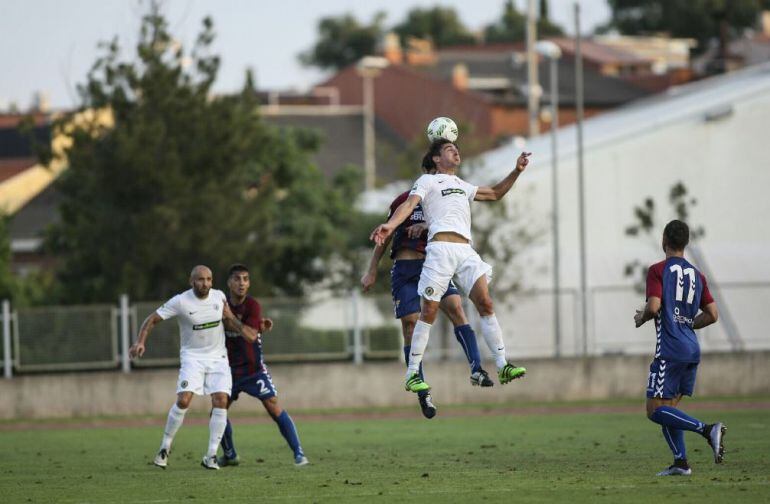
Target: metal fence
361,328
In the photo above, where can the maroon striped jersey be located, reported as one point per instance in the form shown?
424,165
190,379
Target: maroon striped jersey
245,358
400,238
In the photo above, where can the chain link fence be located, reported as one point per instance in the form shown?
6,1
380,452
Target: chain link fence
61,338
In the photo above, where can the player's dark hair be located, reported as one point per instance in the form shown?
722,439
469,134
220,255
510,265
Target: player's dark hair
434,150
427,163
237,268
676,234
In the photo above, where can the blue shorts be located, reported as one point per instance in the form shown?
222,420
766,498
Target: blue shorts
258,385
670,379
404,277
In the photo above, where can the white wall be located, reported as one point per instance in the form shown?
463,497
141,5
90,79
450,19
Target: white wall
642,151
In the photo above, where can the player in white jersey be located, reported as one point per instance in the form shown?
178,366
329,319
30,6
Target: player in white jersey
201,313
445,200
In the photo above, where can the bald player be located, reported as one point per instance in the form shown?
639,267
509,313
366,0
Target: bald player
202,314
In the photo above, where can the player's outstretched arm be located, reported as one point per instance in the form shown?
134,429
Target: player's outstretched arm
371,272
404,210
137,349
232,323
708,316
497,191
650,310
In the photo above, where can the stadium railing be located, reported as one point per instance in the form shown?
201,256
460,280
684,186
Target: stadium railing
60,338
359,328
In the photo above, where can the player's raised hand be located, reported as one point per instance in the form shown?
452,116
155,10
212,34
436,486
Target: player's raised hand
380,234
523,161
136,350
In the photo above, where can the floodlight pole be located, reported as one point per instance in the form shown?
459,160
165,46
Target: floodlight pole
552,51
7,360
370,67
533,95
581,182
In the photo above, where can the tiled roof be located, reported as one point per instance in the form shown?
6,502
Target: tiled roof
599,90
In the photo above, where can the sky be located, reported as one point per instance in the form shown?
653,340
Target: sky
49,45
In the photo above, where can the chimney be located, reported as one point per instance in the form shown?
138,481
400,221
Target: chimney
460,76
392,49
420,52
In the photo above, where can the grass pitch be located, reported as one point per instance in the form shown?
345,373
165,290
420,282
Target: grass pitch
472,455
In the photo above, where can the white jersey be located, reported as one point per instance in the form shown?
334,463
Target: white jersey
446,203
200,324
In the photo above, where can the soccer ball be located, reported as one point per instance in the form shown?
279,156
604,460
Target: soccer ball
442,127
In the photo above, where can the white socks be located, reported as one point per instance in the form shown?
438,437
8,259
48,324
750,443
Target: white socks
174,421
420,337
217,424
493,335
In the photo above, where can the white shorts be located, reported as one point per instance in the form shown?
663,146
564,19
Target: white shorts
204,376
445,261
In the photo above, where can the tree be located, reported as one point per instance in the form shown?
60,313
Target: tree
442,25
180,177
698,19
545,27
647,227
512,25
342,41
7,281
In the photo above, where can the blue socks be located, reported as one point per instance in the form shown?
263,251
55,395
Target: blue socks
285,425
227,441
467,339
675,440
674,423
289,432
677,419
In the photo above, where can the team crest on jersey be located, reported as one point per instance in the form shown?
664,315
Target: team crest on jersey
184,384
429,291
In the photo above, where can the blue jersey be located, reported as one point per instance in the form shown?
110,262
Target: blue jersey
683,291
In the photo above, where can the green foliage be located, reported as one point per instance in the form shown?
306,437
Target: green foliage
512,25
184,178
648,227
698,19
442,25
343,40
7,280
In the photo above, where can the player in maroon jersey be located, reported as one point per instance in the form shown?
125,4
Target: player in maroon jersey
679,300
408,254
248,369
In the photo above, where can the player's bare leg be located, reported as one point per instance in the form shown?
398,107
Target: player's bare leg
173,422
492,333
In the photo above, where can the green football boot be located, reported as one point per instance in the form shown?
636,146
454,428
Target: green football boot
509,372
416,384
